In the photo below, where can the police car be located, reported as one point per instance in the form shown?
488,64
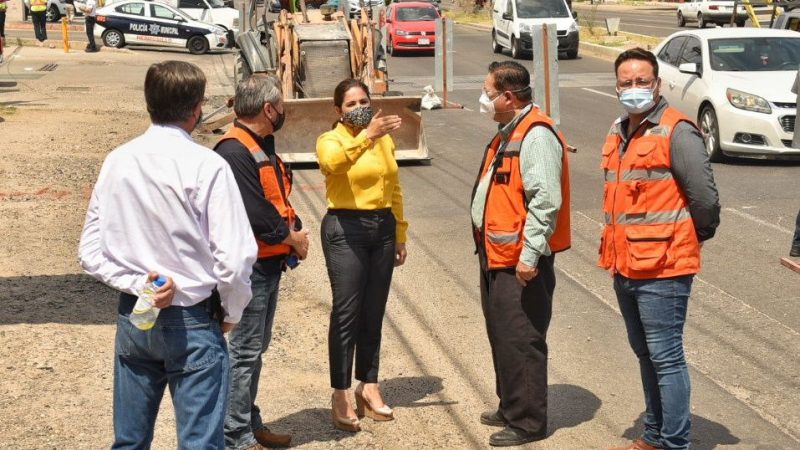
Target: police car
153,23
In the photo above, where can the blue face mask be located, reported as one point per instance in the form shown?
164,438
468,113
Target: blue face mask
637,100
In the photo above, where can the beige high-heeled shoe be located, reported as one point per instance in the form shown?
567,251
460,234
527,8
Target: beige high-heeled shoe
363,408
344,423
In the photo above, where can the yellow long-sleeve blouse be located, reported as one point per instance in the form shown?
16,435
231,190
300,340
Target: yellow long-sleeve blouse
361,173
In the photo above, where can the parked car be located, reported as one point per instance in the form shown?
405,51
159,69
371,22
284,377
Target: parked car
512,21
719,12
154,23
411,26
736,82
209,11
56,9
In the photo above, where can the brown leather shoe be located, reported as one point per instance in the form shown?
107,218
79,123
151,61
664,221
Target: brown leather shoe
636,445
270,439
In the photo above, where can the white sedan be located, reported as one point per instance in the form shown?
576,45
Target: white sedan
153,23
737,83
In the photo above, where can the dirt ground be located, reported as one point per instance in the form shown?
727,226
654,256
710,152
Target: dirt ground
57,325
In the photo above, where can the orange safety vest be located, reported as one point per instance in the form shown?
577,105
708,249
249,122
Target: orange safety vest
649,232
38,5
506,205
275,190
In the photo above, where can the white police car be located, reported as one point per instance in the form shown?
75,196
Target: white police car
153,23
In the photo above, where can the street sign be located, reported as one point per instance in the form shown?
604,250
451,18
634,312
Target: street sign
545,69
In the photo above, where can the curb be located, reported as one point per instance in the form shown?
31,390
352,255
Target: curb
74,46
50,26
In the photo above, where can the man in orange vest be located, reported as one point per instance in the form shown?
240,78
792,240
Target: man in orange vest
520,217
265,184
660,204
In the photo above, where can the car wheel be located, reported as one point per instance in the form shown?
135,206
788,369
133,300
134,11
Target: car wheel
389,46
53,14
701,21
681,19
516,48
496,48
113,38
572,54
197,45
740,23
709,126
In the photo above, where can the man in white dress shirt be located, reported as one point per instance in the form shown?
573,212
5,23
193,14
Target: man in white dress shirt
89,9
166,205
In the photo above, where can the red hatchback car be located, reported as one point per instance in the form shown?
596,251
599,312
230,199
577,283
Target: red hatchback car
411,26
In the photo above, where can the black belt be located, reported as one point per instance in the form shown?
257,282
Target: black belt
212,305
359,212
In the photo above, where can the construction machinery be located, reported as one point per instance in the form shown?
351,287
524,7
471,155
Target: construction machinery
310,52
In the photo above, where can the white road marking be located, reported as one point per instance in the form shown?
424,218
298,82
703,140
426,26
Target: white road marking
759,221
594,91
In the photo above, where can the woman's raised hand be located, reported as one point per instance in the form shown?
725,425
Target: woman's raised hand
382,125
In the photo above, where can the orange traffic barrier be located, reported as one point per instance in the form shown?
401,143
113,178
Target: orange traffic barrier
65,34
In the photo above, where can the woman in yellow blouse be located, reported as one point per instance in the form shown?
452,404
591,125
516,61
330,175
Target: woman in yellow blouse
363,237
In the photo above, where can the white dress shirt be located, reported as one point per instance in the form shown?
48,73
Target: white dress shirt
164,203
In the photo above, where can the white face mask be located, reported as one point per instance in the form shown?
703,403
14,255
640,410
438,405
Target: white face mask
486,103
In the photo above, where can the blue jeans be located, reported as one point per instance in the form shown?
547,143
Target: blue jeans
654,312
185,350
246,343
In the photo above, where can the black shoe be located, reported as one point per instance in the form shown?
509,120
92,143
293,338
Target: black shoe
92,50
511,437
493,419
795,251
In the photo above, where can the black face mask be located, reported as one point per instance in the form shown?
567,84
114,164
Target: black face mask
278,123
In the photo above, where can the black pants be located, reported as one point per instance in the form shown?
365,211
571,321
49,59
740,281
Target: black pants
517,319
2,23
796,240
90,21
359,249
39,19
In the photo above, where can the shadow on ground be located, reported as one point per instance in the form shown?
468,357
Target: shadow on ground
314,424
67,299
706,434
570,406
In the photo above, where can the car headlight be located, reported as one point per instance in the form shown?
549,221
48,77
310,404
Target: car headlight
524,28
748,102
401,32
219,32
573,28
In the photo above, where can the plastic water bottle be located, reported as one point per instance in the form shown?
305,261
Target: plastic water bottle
292,261
144,314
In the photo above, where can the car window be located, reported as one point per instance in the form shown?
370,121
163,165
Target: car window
510,7
692,52
162,12
136,9
192,4
416,14
669,54
755,54
541,9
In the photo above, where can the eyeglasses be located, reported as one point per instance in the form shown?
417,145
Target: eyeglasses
639,83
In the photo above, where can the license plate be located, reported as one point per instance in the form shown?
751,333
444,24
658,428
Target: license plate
423,42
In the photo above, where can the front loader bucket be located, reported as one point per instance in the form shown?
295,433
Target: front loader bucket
307,118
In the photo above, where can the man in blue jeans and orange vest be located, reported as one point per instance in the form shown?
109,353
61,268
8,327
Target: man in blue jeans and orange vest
520,216
660,204
265,184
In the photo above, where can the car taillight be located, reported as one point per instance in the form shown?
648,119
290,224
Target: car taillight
713,7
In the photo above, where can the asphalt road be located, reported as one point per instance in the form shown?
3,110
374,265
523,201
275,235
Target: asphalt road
651,21
743,330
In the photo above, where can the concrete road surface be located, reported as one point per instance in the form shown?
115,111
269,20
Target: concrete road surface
743,330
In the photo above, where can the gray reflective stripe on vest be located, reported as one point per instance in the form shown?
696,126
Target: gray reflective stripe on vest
260,156
646,174
503,238
611,175
650,218
513,147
